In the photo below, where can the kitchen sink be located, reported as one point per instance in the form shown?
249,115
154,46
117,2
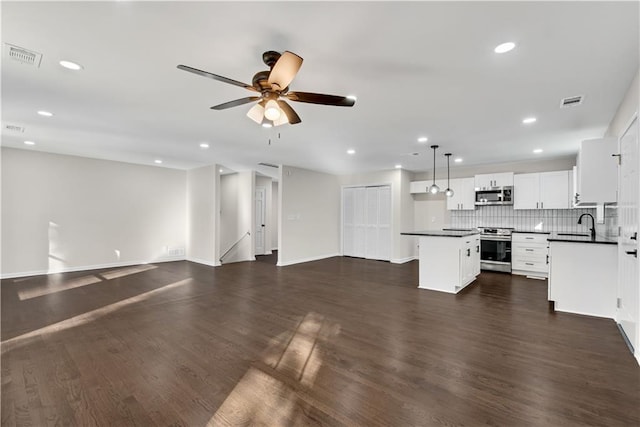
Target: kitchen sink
574,234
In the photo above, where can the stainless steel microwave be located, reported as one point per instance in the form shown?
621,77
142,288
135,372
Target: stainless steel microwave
495,196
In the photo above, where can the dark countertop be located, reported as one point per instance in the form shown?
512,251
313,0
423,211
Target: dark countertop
531,231
442,233
556,237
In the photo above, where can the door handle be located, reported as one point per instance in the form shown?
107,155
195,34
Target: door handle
633,252
263,225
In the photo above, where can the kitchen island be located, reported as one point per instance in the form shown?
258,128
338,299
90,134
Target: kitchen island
448,260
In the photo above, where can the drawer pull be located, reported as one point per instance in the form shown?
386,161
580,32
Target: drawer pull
528,263
529,250
529,238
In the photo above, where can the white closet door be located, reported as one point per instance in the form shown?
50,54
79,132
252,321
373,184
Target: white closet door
348,222
360,224
384,223
371,250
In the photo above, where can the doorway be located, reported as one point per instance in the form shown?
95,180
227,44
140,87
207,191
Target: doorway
260,218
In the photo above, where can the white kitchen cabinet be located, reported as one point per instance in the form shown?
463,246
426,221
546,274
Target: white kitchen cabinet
597,172
485,181
448,264
529,254
417,187
464,194
583,278
544,190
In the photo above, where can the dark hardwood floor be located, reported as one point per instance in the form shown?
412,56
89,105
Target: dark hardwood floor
335,342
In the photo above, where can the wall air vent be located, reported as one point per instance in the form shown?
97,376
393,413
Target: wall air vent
572,101
22,55
14,128
271,165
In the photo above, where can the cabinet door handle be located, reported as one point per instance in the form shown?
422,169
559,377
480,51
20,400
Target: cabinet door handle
633,252
536,205
477,248
547,259
541,205
468,252
634,236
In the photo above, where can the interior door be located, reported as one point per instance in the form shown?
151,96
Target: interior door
384,223
348,221
260,206
371,250
628,285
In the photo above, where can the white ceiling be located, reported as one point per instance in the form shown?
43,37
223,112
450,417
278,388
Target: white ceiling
417,68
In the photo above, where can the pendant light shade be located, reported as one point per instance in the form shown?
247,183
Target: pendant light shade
448,192
434,189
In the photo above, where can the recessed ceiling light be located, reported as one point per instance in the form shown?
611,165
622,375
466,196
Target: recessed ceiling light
30,143
158,161
355,98
204,145
45,113
71,65
267,125
398,166
351,151
423,139
538,150
504,47
458,160
529,120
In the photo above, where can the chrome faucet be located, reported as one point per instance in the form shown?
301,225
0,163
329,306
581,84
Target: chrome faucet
593,221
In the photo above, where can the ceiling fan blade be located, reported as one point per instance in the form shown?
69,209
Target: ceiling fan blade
216,77
319,98
292,116
284,70
235,103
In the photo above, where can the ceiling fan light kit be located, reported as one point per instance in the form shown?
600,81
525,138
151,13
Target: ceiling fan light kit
273,86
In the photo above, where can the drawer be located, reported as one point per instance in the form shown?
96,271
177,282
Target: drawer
529,238
529,251
526,265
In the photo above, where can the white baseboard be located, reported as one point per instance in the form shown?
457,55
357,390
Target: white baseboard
205,262
88,267
301,260
403,260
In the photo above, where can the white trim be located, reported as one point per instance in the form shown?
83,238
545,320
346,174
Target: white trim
301,260
88,267
403,260
581,313
205,262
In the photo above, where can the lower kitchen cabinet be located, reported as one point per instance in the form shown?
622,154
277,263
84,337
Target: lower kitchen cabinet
448,264
529,254
583,278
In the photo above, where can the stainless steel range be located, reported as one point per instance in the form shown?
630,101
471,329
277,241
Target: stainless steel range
495,249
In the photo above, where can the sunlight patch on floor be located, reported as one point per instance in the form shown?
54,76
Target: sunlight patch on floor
92,315
47,289
270,392
126,271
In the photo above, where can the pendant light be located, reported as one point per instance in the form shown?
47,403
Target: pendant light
448,192
434,189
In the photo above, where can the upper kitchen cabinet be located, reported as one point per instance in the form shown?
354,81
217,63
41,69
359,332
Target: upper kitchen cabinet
464,195
417,187
544,190
485,181
597,172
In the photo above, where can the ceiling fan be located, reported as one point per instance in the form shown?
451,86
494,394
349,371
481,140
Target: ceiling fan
273,87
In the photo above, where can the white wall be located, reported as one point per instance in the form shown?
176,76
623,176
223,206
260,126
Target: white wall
202,212
63,213
265,182
627,108
236,216
275,197
309,226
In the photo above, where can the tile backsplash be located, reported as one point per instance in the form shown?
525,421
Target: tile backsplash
534,219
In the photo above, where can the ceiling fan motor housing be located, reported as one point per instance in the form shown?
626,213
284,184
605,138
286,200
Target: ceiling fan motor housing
270,57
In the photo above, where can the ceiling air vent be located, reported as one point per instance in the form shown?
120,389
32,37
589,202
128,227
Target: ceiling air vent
271,165
572,101
14,128
22,55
